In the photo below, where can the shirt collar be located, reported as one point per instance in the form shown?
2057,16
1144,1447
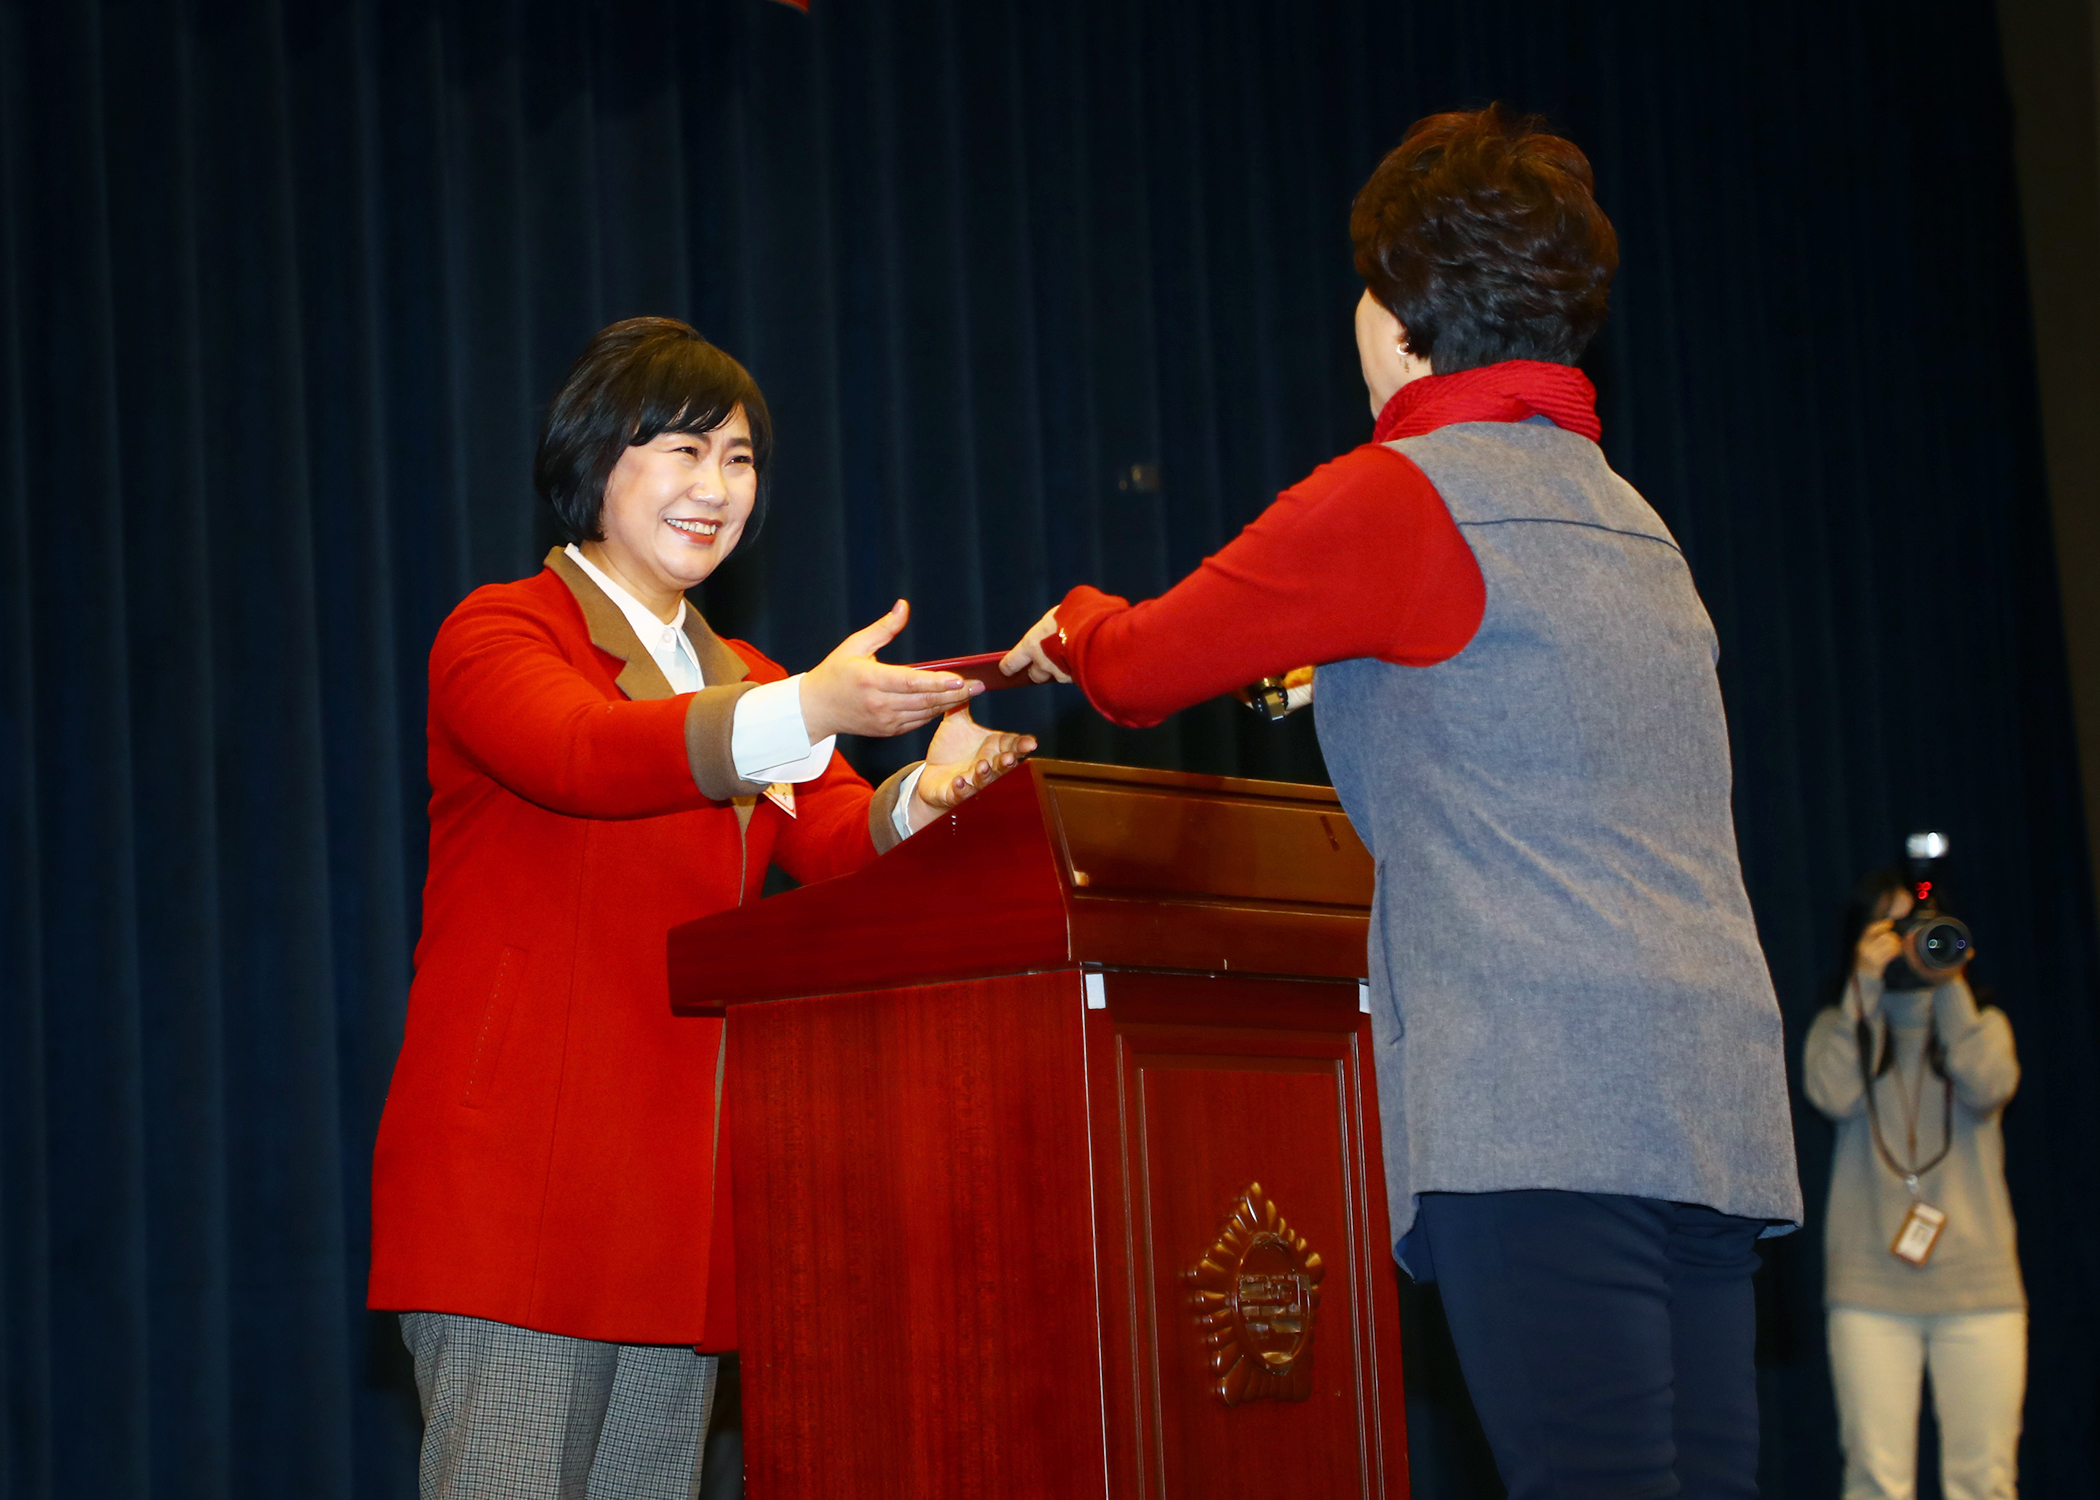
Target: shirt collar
647,627
612,633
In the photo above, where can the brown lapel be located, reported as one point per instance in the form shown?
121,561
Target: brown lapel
718,664
642,678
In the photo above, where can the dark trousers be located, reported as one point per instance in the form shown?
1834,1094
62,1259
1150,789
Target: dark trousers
1606,1341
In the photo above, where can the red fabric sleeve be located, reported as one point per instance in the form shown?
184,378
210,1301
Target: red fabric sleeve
1360,558
829,833
828,830
515,706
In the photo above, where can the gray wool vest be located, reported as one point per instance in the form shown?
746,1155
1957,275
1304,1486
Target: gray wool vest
1567,987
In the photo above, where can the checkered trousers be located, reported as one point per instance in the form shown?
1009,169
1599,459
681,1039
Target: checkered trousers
520,1415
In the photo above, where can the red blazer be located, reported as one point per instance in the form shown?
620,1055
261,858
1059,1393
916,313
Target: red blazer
548,1155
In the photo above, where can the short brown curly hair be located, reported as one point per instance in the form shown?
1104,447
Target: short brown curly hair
1479,232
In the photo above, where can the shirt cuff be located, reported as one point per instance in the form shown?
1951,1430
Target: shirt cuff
768,740
900,814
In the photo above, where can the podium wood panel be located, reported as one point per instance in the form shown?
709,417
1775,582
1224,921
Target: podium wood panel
910,1287
1266,1083
963,1216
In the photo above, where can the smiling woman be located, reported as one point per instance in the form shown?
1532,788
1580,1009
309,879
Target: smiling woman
675,507
642,393
546,1211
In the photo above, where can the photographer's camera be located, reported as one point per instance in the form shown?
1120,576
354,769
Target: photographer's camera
1936,946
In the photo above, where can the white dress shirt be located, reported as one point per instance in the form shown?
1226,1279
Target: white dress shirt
768,740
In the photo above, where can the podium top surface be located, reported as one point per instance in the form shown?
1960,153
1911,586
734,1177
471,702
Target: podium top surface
1060,863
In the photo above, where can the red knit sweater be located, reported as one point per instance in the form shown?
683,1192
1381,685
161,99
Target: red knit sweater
1359,558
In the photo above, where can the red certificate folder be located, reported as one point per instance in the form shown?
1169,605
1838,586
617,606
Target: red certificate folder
983,668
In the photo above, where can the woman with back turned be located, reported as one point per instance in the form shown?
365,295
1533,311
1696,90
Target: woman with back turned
1580,1078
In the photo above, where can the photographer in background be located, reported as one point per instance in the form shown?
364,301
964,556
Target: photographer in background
1922,1272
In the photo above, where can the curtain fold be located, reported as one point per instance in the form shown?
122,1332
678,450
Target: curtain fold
284,286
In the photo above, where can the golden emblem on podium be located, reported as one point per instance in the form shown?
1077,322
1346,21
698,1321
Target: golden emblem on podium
1255,1293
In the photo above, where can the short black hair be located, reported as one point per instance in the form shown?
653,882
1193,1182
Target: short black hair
1863,907
1481,234
636,380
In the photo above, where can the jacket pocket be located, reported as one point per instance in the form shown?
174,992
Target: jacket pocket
495,1026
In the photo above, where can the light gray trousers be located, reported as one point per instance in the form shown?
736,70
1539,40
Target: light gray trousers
513,1414
1978,1363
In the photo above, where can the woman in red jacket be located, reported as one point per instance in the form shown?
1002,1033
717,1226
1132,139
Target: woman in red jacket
550,1212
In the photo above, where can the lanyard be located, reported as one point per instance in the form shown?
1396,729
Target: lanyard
1909,1170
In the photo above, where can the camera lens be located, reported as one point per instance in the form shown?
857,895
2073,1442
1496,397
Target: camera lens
1943,945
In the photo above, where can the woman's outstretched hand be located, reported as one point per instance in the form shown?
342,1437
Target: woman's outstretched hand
850,692
1029,656
963,759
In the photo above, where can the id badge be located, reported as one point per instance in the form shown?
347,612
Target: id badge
782,795
1920,1232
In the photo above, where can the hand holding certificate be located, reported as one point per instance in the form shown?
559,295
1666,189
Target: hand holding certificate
1030,656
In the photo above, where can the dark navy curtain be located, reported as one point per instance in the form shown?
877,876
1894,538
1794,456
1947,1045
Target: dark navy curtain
1040,293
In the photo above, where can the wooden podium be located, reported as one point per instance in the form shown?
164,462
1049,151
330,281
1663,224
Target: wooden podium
1056,1153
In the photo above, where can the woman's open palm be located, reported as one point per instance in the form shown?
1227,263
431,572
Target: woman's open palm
963,758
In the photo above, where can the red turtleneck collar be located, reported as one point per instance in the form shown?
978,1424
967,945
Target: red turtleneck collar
1508,392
